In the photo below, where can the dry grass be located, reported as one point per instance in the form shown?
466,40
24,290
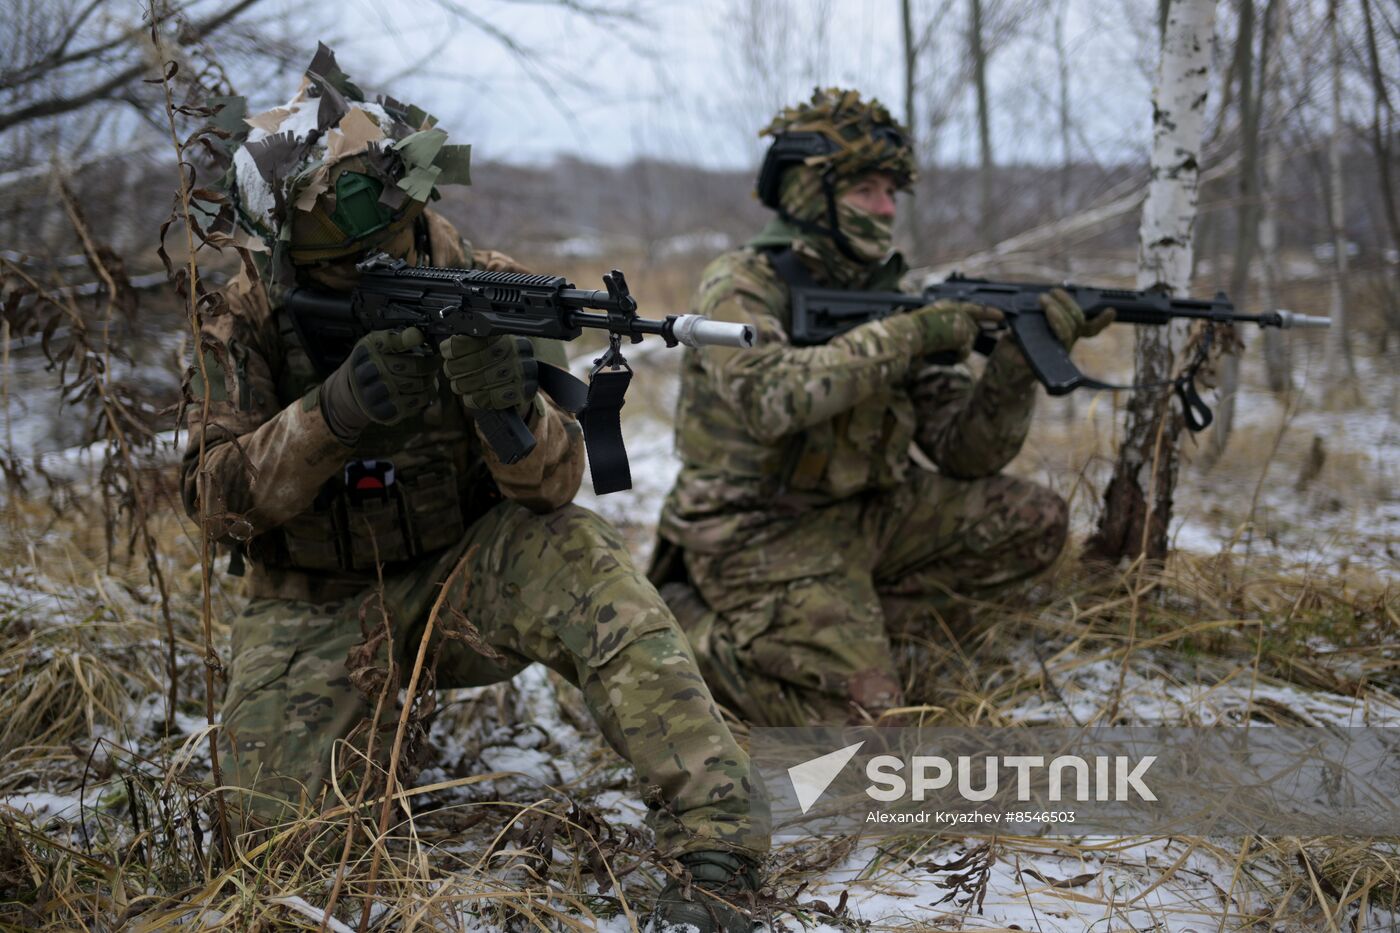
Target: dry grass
82,666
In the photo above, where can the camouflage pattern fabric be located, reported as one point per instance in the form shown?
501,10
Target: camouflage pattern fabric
854,125
778,430
869,236
805,523
273,472
557,588
802,519
329,174
542,580
802,621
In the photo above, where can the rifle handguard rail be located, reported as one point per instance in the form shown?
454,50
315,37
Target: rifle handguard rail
819,314
443,302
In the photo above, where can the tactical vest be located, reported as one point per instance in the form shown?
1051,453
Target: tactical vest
731,484
405,491
866,447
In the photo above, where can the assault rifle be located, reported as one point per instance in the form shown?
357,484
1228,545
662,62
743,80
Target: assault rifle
392,295
819,314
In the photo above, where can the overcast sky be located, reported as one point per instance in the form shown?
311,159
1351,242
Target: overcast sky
678,85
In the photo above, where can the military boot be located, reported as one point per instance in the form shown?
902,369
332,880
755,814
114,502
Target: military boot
714,896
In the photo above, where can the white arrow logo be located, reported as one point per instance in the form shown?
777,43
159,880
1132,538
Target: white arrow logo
811,778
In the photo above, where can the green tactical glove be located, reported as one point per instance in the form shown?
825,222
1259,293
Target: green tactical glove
491,373
948,326
1066,318
386,378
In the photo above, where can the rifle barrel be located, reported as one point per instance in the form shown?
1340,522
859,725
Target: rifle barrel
690,330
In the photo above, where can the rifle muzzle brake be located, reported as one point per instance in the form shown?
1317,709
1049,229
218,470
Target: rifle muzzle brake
696,330
1290,319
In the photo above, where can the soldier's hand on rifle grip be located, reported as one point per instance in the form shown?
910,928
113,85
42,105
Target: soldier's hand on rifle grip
948,326
1067,320
491,373
388,376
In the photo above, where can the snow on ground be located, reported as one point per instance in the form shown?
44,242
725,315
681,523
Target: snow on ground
1157,689
1322,524
1116,884
1068,884
1050,891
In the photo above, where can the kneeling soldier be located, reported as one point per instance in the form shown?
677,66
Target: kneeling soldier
324,481
799,518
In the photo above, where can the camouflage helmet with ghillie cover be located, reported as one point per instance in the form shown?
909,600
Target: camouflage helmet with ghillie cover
838,137
330,175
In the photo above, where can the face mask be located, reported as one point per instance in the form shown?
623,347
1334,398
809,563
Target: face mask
870,237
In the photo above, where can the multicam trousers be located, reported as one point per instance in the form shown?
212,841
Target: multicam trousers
560,589
801,620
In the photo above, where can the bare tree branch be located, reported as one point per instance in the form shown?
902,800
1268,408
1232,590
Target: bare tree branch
53,106
57,58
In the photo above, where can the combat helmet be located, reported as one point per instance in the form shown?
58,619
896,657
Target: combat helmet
838,136
329,174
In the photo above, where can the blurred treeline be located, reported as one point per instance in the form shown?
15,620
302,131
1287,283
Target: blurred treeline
661,210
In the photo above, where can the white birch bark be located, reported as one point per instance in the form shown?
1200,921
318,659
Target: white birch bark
1179,110
1137,506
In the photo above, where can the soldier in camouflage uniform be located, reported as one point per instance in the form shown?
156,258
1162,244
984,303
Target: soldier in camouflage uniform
799,517
324,482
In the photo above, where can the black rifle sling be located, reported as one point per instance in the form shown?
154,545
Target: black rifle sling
598,405
1194,409
602,420
790,269
568,391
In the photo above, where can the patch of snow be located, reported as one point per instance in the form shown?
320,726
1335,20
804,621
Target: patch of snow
1153,693
1117,884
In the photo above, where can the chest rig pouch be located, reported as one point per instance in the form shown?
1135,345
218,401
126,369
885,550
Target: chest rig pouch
405,493
866,447
385,511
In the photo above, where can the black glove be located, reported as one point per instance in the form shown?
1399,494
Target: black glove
491,373
388,377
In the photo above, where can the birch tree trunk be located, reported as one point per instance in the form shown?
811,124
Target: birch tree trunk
1138,502
1278,346
1339,363
912,226
1248,102
977,47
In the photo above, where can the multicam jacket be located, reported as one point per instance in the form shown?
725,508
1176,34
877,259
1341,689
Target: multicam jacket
313,515
768,433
